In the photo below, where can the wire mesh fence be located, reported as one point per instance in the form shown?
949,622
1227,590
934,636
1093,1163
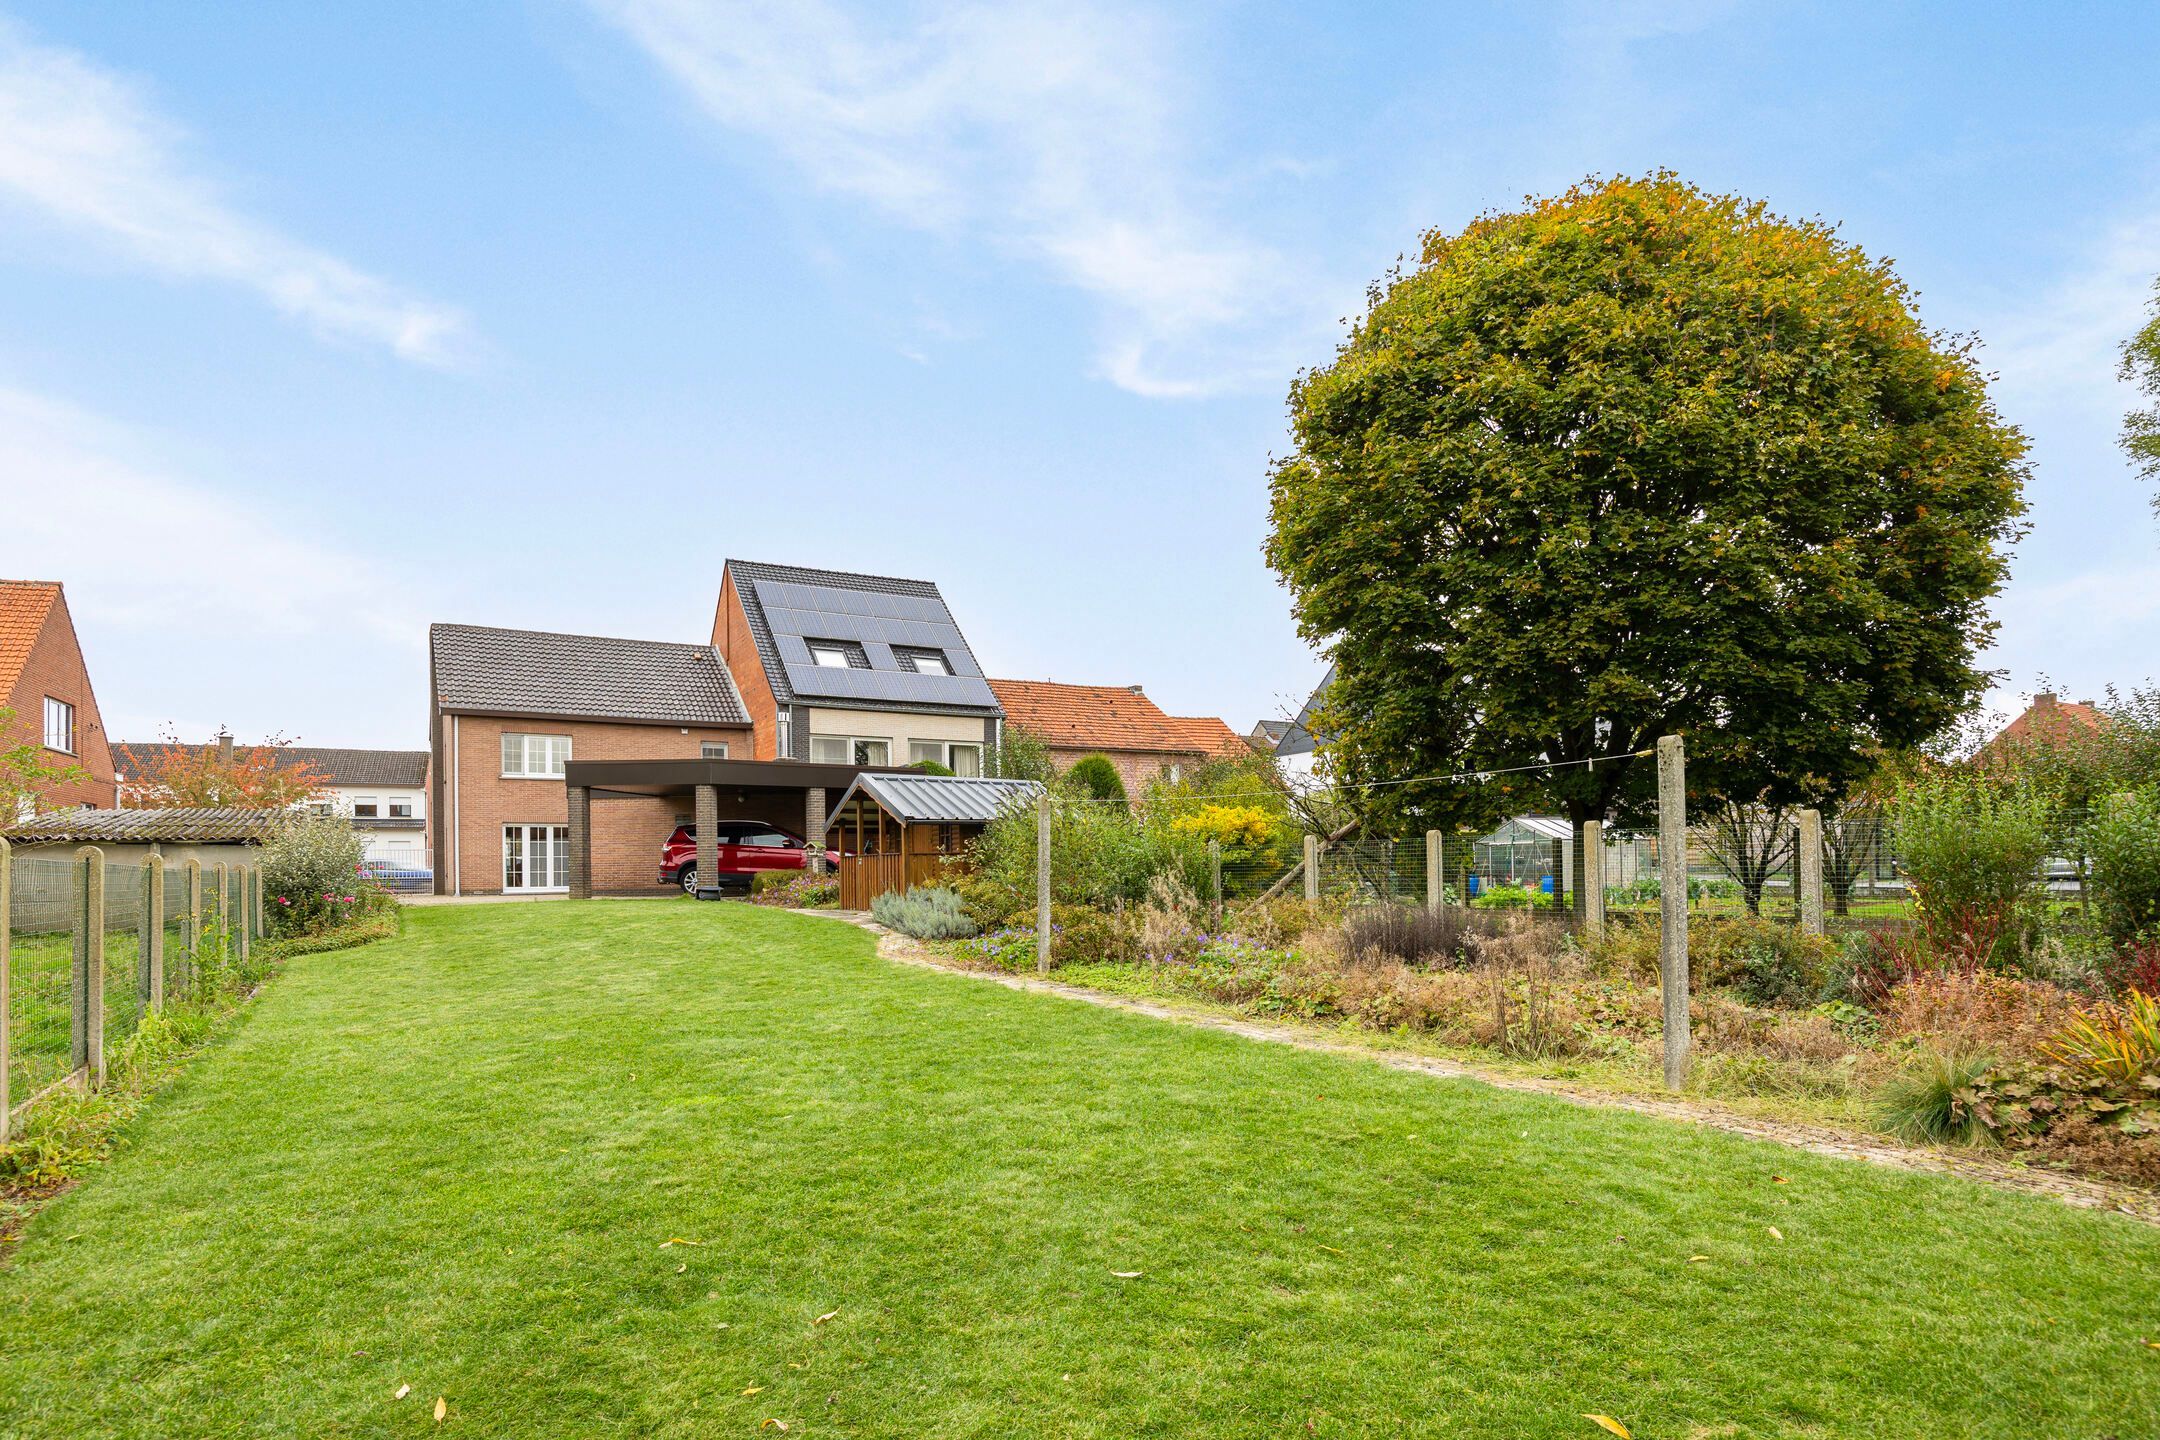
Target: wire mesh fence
89,946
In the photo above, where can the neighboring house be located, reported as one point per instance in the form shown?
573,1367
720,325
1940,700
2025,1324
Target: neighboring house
1119,721
848,669
1267,734
44,681
1298,749
383,792
510,708
2047,721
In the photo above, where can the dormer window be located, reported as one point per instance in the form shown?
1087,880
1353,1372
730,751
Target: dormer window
922,661
838,654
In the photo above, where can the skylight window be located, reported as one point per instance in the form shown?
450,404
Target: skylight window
833,657
922,661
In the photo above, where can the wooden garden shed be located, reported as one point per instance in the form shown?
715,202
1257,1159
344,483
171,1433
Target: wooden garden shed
894,831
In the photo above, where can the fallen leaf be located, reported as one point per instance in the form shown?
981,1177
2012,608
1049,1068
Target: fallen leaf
402,1392
1331,1249
1777,1179
671,1240
798,1365
2149,1344
682,1267
776,1423
828,1315
1694,1259
1610,1424
752,1389
442,1408
1128,1274
1775,1233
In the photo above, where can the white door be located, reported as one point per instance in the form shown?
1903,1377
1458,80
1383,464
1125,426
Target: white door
536,857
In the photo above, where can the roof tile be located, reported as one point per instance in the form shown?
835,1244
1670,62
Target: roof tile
24,604
1110,717
479,670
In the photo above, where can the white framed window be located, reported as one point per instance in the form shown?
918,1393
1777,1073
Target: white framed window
534,757
958,758
59,726
366,807
832,657
850,750
536,857
401,808
923,662
712,750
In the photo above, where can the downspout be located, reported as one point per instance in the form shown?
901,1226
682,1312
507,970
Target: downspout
457,830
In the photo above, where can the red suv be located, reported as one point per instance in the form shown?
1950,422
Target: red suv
746,847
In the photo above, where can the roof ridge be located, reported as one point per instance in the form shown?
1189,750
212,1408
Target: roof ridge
566,635
930,585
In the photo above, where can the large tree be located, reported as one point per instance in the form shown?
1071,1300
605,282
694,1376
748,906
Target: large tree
2141,367
1637,460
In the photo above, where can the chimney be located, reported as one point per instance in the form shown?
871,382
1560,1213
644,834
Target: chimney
2045,700
1135,689
224,745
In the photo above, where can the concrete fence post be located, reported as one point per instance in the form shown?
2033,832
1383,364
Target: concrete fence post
1042,883
1809,872
192,931
240,896
222,873
7,922
1312,869
1214,862
87,993
152,933
1593,878
1435,869
1673,906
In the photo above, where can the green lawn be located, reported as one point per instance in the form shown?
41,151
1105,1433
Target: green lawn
452,1160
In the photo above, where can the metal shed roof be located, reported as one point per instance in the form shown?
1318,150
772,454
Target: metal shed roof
941,799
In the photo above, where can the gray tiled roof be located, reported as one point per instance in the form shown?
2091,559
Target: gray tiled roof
337,766
940,798
479,670
1299,738
91,827
789,604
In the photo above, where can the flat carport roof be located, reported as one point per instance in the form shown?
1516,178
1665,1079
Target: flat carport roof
590,780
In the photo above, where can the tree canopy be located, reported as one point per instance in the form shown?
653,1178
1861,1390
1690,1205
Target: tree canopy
2141,367
256,777
1634,460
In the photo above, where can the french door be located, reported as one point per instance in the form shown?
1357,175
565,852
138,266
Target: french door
536,857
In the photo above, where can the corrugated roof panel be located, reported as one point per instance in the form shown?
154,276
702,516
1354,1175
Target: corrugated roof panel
942,799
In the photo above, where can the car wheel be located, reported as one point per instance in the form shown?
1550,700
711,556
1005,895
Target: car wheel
688,879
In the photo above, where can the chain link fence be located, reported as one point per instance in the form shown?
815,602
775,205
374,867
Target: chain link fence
89,946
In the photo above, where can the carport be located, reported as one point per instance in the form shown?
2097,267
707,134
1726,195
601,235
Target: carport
782,792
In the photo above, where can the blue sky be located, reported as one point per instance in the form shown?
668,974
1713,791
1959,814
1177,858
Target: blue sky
320,323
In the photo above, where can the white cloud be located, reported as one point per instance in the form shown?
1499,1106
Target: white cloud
147,551
81,146
2066,343
1047,130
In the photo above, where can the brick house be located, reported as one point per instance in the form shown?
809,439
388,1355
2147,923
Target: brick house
44,681
1143,741
2048,721
384,793
510,708
847,669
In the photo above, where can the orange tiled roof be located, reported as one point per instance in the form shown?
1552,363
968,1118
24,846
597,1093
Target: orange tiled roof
2046,721
24,604
1109,717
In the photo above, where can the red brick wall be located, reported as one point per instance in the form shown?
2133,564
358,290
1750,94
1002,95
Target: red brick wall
56,668
1137,768
731,635
627,834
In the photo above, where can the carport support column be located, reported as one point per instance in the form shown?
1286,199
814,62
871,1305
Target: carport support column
814,826
581,842
708,836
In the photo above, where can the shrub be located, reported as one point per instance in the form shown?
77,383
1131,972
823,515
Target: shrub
1083,934
929,767
1096,776
1767,962
794,889
2135,966
2123,840
1972,848
1237,828
1278,922
1011,949
924,912
1873,963
312,875
2117,1041
1100,855
1934,1100
1972,1012
1414,935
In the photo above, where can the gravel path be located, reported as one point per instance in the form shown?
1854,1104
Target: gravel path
1821,1140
